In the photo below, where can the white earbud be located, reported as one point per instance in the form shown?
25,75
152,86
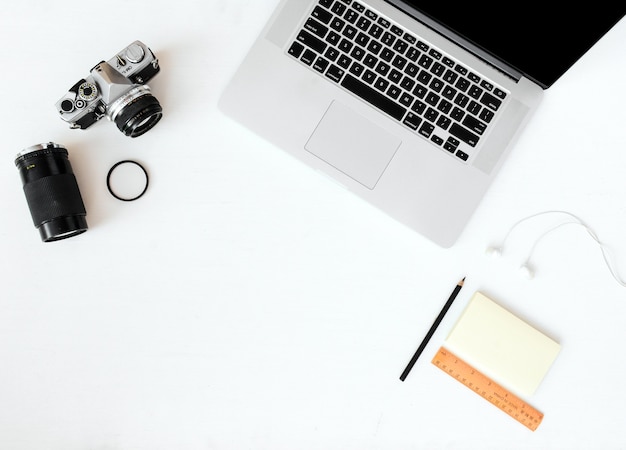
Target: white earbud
494,252
527,271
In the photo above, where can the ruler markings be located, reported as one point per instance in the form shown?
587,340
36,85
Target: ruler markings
488,389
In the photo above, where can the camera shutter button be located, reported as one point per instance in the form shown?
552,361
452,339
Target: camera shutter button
135,53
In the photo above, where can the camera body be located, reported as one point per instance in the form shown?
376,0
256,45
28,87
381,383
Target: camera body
116,89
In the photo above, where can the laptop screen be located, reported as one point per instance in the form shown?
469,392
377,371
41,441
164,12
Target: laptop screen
539,42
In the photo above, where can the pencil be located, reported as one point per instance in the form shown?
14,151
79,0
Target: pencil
434,326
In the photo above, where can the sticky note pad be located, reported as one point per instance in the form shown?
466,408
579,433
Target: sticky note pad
495,341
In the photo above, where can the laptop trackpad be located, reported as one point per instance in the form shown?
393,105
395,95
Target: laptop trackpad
353,144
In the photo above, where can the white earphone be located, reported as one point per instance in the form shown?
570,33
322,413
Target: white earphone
527,269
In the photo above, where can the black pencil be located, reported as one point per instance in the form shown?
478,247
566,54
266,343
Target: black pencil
430,333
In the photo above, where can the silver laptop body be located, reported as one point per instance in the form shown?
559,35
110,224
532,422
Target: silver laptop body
385,160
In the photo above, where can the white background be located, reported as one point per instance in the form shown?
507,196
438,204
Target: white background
246,302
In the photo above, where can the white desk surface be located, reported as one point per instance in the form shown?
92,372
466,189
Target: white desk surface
246,302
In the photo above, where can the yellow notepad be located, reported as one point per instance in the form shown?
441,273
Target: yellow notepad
502,345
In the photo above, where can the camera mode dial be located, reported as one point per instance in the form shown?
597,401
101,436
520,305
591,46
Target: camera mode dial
87,91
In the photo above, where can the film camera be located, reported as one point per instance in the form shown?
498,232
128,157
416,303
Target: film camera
116,89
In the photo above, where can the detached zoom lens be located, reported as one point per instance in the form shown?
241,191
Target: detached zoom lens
51,190
136,112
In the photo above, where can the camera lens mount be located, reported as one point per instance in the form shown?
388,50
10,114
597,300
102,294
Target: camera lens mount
135,112
51,191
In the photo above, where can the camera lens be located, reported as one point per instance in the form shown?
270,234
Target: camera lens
51,191
136,112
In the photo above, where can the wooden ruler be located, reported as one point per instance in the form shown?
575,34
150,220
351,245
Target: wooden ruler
488,389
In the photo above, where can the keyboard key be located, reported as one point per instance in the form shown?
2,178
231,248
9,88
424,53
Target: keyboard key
406,99
321,64
413,54
435,54
388,39
425,61
375,47
407,84
384,23
362,39
399,62
333,38
308,57
451,144
474,124
450,77
344,61
296,49
475,92
447,61
369,76
436,139
397,30
376,32
360,8
357,53
395,76
431,114
332,54
370,61
499,93
394,92
363,23
345,45
490,101
426,129
322,15
463,134
412,121
373,97
486,115
381,84
337,24
315,27
356,69
371,15
438,69
400,46
351,16
444,122
419,107
350,32
311,41
383,68
387,54
335,73
338,8
411,70
432,98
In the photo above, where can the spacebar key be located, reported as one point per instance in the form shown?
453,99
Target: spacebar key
373,97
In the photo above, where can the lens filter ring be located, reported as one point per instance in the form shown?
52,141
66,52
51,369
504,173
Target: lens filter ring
120,196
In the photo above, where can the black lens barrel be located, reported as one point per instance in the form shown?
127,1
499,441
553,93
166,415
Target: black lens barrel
139,115
52,192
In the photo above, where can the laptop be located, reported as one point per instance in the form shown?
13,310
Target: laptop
412,105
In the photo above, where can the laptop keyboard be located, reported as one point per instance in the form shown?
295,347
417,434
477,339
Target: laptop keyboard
398,73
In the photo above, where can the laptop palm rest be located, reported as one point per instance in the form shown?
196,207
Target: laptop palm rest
353,144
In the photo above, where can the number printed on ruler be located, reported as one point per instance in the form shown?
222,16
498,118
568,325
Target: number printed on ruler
488,389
